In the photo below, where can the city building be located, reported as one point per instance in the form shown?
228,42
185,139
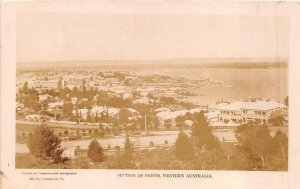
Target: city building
240,112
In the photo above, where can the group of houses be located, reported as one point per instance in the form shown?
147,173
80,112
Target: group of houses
148,92
232,113
220,114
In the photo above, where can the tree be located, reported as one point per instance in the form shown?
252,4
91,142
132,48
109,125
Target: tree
75,92
84,92
210,160
128,148
281,144
180,121
126,160
118,102
278,120
286,101
167,100
168,124
60,83
123,115
88,117
43,142
184,149
96,118
67,109
202,134
31,100
155,122
57,156
95,151
25,87
256,141
83,82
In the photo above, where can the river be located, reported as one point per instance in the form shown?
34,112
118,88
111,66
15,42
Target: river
239,83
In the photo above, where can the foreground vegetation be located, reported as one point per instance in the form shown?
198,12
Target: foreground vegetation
198,150
159,159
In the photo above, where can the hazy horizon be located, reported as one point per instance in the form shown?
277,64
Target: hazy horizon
65,36
162,62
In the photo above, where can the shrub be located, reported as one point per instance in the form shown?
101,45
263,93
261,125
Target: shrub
151,144
74,137
128,148
95,152
57,156
184,149
66,132
43,142
202,135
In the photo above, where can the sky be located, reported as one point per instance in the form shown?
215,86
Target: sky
66,36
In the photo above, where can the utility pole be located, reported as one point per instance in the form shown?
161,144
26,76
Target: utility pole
145,124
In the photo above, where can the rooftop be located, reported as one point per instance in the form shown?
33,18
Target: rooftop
257,105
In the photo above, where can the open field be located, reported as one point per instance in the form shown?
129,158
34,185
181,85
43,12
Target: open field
157,137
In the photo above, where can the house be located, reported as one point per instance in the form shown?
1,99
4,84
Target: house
20,105
33,117
162,109
212,118
55,106
74,100
133,114
83,113
240,112
44,97
172,115
97,110
144,100
72,86
45,85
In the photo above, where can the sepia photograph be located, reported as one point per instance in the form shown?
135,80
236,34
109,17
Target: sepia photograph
164,94
151,91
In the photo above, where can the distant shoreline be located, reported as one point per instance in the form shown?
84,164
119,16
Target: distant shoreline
142,65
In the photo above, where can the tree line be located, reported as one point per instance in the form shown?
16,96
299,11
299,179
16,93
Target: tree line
256,148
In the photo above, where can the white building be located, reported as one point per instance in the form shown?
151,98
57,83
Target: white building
55,105
172,115
97,110
242,112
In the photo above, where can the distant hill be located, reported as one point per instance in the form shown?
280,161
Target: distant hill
230,63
